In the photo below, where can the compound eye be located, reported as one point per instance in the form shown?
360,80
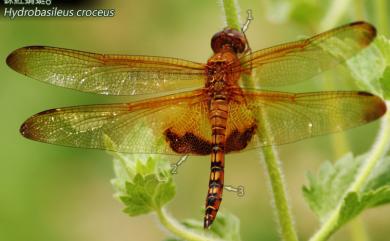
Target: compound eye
239,45
235,39
217,41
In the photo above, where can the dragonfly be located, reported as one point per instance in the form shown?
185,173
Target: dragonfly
207,108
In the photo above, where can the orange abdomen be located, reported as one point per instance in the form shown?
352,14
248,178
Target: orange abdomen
218,119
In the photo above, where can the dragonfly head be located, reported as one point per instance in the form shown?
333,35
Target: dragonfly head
230,38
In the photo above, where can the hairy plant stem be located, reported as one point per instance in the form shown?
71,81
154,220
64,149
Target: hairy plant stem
377,152
279,193
231,10
359,10
381,7
179,230
273,165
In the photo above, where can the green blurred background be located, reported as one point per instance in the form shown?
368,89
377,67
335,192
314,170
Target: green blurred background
56,193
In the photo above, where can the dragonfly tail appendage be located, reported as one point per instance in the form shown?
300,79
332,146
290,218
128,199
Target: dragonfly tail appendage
214,194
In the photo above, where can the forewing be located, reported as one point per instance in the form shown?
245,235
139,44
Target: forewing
106,74
281,118
175,124
301,60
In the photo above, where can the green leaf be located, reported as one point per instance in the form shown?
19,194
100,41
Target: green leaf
354,203
143,183
139,199
226,226
145,168
367,68
330,187
148,187
380,176
164,193
326,190
384,46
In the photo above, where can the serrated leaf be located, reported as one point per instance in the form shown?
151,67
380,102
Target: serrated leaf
326,190
165,192
147,194
329,188
145,168
226,226
143,183
141,195
354,203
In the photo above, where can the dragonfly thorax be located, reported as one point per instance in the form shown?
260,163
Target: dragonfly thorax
219,69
